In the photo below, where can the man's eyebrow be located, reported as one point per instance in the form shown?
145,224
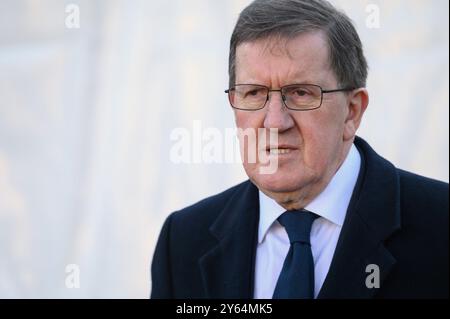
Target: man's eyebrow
300,80
303,81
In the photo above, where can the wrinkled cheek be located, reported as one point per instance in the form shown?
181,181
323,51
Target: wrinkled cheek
313,155
249,128
247,119
251,148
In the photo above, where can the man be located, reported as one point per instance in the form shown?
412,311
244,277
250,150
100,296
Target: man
335,220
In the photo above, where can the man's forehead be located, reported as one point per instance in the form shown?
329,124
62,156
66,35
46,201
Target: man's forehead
305,51
313,42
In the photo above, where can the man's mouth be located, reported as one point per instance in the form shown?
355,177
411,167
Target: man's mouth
278,151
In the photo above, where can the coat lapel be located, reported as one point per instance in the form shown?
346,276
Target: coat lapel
373,216
228,268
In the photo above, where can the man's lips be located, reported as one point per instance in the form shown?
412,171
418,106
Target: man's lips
281,146
280,149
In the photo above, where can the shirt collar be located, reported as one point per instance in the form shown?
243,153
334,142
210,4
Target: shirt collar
331,203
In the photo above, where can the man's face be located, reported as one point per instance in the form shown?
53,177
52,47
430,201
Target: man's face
313,140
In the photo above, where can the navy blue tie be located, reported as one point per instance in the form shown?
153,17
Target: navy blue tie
296,279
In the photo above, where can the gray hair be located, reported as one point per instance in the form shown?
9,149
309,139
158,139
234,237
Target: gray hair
288,18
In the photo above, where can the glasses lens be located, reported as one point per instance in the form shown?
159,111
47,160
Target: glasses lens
248,97
302,97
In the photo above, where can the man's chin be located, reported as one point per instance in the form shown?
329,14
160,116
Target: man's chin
277,183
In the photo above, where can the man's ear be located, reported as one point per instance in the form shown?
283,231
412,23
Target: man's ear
358,100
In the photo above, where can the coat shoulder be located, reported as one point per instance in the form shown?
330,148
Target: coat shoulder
425,203
201,215
423,190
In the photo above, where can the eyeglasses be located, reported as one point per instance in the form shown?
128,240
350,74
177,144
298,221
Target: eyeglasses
297,97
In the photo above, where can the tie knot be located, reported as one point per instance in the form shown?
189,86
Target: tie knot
298,225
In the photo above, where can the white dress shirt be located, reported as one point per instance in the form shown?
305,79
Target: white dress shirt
273,242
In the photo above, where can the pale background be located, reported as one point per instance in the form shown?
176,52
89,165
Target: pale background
86,115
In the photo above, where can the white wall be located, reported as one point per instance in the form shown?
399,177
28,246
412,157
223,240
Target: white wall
86,116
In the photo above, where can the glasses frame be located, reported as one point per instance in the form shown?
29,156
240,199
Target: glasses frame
283,98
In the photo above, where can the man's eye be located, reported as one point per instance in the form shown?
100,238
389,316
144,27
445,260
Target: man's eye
301,93
253,93
297,92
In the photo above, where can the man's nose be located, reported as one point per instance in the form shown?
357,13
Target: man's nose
277,114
